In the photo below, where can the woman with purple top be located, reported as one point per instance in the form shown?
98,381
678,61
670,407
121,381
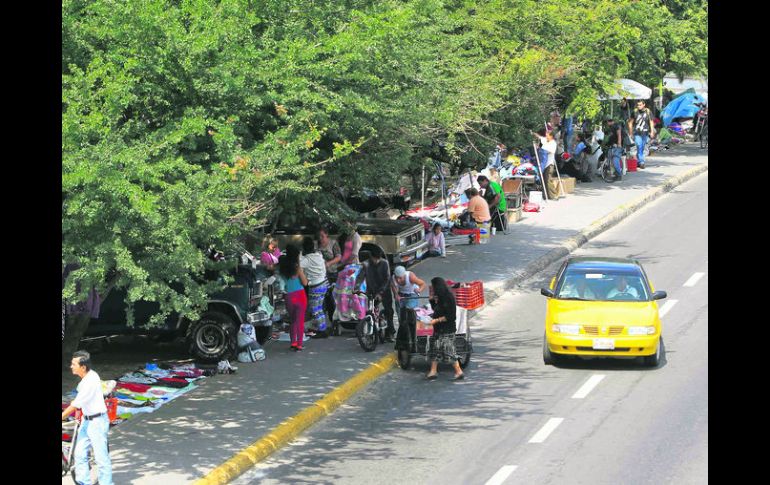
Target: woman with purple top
436,242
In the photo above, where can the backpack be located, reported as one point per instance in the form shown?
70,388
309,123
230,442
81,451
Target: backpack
248,347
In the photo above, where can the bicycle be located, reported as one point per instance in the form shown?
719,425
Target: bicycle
373,326
606,168
704,135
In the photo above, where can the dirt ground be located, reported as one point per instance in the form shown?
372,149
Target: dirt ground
111,358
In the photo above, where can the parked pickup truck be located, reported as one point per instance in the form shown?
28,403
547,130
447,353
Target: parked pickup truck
403,242
210,338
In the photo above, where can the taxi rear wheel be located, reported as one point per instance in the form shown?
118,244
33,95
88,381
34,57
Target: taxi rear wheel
654,359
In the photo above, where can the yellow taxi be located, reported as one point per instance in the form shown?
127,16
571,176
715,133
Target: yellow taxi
602,307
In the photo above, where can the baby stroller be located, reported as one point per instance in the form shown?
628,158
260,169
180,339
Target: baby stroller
350,299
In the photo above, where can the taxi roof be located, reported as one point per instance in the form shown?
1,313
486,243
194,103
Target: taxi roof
600,263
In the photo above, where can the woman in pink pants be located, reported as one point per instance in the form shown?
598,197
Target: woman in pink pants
296,298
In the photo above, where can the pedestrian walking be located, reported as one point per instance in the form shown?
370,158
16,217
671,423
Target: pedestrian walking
96,424
442,344
641,129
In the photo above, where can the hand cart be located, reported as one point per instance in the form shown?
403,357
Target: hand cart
411,343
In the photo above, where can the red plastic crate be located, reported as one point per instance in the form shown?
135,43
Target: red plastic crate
470,295
462,232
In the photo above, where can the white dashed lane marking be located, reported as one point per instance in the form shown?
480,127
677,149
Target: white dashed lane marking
592,382
546,430
501,475
666,307
694,279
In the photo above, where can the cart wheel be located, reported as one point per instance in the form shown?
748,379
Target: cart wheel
404,359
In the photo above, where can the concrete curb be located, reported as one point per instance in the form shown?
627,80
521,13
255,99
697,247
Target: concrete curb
292,427
594,229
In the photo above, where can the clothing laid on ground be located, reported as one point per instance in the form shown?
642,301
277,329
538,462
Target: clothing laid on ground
479,208
313,266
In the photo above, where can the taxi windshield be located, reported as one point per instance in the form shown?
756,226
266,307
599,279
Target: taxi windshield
602,285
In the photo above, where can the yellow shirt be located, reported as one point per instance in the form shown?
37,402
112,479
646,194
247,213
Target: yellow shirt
479,208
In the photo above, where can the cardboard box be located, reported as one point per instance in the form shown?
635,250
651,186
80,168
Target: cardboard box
569,184
514,215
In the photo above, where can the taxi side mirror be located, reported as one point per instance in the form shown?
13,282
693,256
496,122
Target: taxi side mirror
547,292
659,295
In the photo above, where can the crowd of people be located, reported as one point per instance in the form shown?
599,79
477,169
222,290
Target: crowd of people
306,277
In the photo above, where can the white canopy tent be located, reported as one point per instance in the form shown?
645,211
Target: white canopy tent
700,85
628,88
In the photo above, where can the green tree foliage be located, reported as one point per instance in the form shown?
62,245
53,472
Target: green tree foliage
187,123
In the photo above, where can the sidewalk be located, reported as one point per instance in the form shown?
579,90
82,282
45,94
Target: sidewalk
187,438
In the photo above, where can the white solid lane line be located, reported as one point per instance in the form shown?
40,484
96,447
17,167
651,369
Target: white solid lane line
546,430
588,386
666,307
694,279
501,475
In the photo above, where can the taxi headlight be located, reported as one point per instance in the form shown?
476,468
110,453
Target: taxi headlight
641,330
566,329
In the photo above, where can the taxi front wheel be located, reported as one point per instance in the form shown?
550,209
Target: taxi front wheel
549,358
654,359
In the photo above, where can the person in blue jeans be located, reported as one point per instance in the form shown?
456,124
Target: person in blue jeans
642,129
615,146
96,423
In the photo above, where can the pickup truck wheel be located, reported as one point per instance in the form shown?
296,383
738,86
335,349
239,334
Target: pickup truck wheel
212,338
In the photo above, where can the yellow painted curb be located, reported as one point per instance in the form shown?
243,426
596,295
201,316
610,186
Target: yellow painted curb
292,427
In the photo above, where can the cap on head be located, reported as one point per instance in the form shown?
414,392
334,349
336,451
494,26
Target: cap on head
399,271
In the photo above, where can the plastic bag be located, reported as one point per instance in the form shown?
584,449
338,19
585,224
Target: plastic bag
531,207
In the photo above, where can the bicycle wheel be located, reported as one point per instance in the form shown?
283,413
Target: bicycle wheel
367,334
607,174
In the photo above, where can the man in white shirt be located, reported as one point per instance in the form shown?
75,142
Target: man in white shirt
623,291
95,425
548,166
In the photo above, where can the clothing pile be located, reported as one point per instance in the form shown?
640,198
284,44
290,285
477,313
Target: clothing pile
350,306
148,388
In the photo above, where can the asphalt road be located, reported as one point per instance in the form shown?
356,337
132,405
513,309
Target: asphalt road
515,420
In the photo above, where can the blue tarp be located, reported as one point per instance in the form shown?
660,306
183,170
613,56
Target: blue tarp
683,106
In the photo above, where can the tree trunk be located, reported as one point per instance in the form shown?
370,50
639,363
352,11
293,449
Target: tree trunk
76,327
